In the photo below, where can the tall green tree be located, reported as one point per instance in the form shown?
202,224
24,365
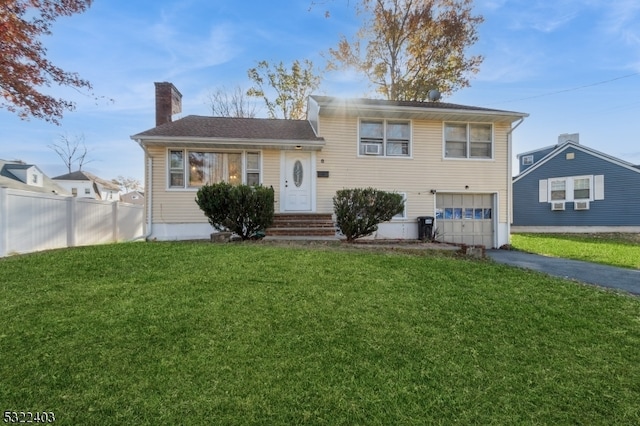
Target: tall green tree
408,47
292,87
24,67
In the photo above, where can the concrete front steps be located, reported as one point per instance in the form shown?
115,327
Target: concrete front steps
302,225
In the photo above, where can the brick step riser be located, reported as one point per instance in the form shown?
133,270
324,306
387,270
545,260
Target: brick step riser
326,230
300,214
300,233
303,219
301,224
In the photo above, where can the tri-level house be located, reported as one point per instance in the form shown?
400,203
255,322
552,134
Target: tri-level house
569,187
451,162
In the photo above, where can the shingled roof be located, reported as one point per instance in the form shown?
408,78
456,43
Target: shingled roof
86,176
194,126
9,180
329,105
330,100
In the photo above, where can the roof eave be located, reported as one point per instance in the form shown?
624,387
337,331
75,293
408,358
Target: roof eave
230,143
583,148
440,114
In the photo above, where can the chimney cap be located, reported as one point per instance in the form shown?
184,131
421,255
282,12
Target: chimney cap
568,137
162,84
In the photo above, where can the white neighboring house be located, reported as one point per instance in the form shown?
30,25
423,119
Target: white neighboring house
86,185
27,177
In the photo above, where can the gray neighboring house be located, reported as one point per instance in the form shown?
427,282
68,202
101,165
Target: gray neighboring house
27,177
133,197
570,187
87,185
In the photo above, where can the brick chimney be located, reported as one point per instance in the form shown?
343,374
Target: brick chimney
168,102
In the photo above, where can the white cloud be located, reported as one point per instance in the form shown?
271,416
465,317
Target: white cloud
621,19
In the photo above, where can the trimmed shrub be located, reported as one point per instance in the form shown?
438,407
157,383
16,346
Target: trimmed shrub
242,209
359,211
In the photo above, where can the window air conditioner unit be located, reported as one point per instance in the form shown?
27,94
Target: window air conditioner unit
557,206
372,149
581,205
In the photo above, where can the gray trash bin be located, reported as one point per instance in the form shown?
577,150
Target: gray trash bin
425,227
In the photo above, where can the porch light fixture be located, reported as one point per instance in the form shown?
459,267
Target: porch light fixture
298,147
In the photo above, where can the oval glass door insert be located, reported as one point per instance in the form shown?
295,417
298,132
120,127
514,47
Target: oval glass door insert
297,173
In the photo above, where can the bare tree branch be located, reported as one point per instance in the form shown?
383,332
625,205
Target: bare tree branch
71,150
225,103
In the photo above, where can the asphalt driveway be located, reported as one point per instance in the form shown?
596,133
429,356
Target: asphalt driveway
590,273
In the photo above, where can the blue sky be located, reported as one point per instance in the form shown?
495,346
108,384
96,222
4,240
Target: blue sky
573,65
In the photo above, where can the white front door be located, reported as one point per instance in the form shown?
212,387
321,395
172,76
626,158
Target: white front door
297,181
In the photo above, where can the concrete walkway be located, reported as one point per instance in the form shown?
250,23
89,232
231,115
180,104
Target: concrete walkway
590,273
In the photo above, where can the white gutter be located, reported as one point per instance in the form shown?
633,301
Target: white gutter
434,113
510,179
148,198
237,143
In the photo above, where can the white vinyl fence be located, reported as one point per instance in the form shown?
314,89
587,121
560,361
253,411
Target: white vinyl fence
32,222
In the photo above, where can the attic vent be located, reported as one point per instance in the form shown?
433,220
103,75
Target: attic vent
581,205
372,149
557,206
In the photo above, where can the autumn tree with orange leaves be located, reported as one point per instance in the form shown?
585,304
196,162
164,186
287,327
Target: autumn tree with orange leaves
24,67
406,48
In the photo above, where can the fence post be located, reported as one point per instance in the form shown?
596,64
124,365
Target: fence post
4,222
114,221
71,221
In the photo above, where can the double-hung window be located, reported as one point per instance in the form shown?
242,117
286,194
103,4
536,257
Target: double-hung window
193,169
403,213
558,190
582,188
176,169
391,138
571,188
468,140
253,168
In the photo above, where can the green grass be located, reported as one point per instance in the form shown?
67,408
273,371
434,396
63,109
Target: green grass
621,250
192,333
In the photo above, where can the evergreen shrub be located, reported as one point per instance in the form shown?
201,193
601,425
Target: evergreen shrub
359,211
245,210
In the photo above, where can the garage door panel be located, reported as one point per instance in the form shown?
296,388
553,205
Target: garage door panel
465,218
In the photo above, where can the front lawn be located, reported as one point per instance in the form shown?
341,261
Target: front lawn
248,333
621,250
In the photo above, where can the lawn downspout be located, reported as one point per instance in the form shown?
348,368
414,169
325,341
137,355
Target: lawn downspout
510,178
148,193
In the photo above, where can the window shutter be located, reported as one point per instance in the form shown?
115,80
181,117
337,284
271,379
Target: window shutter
542,191
598,187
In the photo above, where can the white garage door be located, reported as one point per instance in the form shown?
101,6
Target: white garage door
465,219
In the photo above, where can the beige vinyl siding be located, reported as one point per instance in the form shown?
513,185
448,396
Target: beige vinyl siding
171,206
178,205
271,171
415,176
426,169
